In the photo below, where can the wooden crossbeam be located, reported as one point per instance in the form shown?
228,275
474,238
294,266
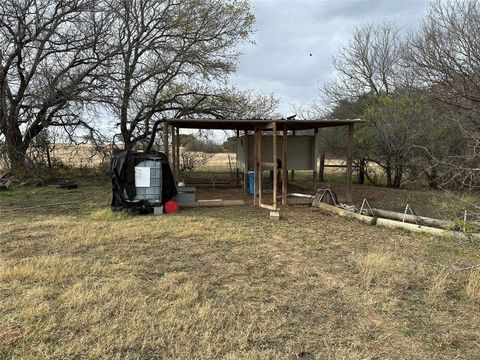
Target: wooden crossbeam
267,126
266,206
265,163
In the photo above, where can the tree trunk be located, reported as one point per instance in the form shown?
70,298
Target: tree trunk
16,154
15,149
388,170
432,178
361,171
128,144
397,180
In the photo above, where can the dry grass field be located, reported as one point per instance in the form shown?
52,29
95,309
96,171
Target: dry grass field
77,281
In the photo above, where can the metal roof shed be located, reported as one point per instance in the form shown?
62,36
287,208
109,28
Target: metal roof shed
258,126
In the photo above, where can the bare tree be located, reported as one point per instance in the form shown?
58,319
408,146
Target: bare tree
371,62
396,121
445,54
50,56
175,53
372,82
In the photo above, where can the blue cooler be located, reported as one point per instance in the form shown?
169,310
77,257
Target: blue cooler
251,182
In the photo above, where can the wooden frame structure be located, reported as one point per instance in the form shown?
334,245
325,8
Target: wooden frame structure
259,164
259,127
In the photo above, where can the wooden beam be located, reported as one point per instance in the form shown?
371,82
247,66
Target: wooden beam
321,171
349,164
174,147
268,126
284,165
259,167
315,158
293,171
245,166
213,203
237,171
178,153
255,168
266,206
165,139
267,163
275,166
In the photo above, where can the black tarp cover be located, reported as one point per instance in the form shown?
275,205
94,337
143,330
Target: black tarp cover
123,181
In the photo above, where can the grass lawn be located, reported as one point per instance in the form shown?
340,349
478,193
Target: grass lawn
77,281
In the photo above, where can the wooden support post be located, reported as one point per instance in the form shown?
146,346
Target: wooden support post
245,165
237,171
165,139
315,159
349,164
321,171
174,146
292,177
178,154
284,165
259,167
275,166
255,168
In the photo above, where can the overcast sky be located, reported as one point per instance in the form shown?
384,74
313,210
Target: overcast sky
288,31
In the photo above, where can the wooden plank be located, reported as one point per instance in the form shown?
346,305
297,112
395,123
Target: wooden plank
293,171
174,147
336,166
265,163
245,166
255,168
275,166
259,167
267,126
349,164
315,158
213,203
284,165
321,171
265,206
237,171
178,154
165,139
